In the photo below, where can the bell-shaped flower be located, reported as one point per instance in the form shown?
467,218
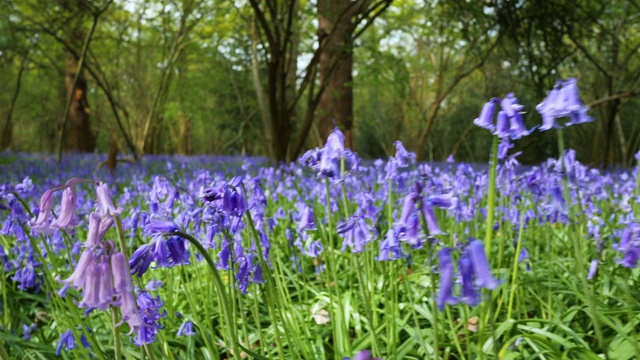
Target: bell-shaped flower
186,329
105,202
446,270
469,294
563,101
629,246
68,342
98,289
481,269
67,218
432,221
41,223
485,120
307,219
159,227
80,274
140,260
122,282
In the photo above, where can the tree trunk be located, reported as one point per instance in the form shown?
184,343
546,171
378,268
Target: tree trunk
336,102
6,139
79,135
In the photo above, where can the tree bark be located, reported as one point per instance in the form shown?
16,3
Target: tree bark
79,136
6,139
336,102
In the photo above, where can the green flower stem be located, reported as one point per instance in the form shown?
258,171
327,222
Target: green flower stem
341,324
222,292
514,273
271,297
491,197
117,345
432,280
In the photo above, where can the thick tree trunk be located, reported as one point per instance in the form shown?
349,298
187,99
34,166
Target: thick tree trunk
336,102
79,135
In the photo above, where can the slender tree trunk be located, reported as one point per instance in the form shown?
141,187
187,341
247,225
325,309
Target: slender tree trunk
336,102
6,138
257,84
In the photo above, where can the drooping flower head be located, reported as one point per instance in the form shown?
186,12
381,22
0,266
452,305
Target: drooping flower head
563,101
509,123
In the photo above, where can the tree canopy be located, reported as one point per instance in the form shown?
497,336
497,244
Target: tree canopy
273,77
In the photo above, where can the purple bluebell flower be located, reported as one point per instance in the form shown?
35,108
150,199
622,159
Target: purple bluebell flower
485,120
67,341
445,290
469,294
151,315
105,202
629,246
364,355
67,218
159,227
563,101
224,256
481,269
98,291
41,223
443,201
79,276
141,259
593,268
503,148
154,285
432,221
122,282
403,157
307,219
27,330
186,329
356,234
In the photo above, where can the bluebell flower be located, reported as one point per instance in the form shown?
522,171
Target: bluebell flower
593,268
27,330
445,289
629,246
403,157
390,248
141,260
469,294
485,120
67,341
186,329
563,101
154,285
160,227
481,269
307,219
356,234
41,223
67,219
509,123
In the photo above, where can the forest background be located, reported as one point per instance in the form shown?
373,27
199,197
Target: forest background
272,77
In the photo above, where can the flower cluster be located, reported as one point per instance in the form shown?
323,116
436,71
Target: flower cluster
509,124
333,159
563,101
102,273
474,273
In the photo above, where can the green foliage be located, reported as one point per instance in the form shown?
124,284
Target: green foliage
422,72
